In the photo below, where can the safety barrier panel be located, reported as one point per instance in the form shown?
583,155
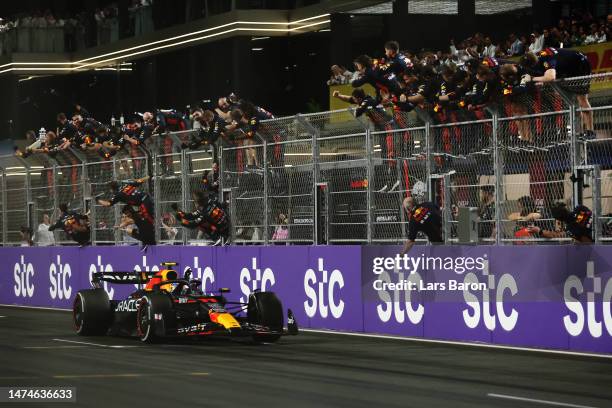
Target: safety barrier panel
552,297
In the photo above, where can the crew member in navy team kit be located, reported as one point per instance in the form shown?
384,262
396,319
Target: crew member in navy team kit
212,127
75,225
128,193
425,218
143,230
552,64
383,124
576,224
209,216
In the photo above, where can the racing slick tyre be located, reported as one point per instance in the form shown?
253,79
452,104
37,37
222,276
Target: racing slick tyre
152,316
91,312
265,309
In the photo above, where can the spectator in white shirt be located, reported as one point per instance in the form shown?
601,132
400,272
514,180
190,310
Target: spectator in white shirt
535,43
489,48
44,237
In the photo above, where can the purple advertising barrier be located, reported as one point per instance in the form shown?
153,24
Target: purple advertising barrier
39,277
554,297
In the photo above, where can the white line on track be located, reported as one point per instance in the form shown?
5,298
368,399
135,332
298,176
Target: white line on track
94,344
52,347
537,401
459,343
36,307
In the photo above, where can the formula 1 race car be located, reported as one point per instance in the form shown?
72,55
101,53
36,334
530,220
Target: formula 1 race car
166,306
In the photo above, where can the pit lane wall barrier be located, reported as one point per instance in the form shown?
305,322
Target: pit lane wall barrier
553,297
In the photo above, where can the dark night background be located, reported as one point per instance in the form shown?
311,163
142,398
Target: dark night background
288,76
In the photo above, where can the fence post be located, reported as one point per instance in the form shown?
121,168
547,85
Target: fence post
315,180
221,168
4,204
266,220
574,156
596,183
116,210
428,160
184,190
446,180
156,196
55,197
499,174
370,178
28,188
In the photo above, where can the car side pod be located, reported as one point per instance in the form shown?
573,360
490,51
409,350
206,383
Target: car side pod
292,326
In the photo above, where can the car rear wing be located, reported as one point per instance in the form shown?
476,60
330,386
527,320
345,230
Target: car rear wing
134,278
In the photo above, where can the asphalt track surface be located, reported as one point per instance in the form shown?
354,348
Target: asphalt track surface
39,348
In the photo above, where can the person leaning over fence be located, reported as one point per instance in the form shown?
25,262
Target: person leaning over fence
425,218
516,84
144,230
212,127
129,193
383,123
209,216
75,225
552,64
576,224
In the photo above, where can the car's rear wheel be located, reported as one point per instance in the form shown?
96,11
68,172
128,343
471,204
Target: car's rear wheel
91,312
151,314
266,309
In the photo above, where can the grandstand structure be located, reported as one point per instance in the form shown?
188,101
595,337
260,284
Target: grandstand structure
324,173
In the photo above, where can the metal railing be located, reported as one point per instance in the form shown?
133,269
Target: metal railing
331,178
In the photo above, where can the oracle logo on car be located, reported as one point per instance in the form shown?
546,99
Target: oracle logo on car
575,321
101,267
23,272
253,279
319,287
59,278
128,305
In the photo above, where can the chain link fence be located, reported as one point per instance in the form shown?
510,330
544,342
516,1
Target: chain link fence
330,177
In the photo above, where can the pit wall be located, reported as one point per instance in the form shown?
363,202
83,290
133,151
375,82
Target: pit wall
552,297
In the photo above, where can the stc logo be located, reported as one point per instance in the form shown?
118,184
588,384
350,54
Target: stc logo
207,275
575,324
59,276
321,292
24,279
394,305
262,280
100,267
506,283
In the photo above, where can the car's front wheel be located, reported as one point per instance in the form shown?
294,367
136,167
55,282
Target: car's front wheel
265,309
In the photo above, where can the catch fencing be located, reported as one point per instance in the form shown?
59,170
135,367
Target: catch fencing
332,178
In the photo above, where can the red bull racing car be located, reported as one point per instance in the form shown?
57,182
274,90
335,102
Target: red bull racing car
165,305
